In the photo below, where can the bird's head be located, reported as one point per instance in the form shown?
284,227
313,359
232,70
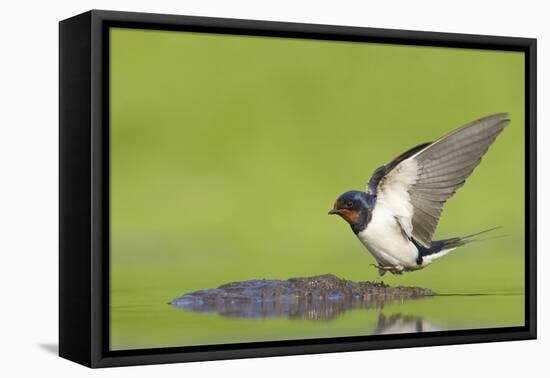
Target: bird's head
354,207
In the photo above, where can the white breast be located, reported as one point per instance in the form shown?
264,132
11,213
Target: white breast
384,238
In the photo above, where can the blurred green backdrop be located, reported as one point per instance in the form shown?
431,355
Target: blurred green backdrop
228,151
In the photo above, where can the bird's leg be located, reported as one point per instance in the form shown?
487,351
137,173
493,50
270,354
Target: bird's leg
381,272
383,269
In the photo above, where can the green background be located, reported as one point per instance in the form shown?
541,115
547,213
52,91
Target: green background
228,151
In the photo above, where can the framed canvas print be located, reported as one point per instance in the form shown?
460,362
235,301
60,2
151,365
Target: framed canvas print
234,188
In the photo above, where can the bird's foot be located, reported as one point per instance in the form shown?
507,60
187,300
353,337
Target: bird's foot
382,269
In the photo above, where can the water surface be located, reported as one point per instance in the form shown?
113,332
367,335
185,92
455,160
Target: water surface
162,324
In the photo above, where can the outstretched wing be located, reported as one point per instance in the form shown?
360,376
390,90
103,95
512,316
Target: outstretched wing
415,185
382,171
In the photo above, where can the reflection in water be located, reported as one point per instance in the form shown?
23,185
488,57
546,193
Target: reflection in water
398,323
311,308
312,298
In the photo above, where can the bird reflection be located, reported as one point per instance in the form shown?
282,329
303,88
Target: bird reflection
398,323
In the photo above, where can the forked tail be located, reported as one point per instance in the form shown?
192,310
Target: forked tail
440,248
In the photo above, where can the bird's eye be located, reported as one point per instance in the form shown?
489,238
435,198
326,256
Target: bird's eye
349,204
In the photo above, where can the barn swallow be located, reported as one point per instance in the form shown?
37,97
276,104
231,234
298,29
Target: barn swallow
398,213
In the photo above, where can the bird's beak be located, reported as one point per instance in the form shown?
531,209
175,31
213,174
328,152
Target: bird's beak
334,211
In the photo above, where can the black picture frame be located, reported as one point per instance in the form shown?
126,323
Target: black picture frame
84,188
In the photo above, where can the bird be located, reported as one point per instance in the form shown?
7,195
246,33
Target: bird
396,216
